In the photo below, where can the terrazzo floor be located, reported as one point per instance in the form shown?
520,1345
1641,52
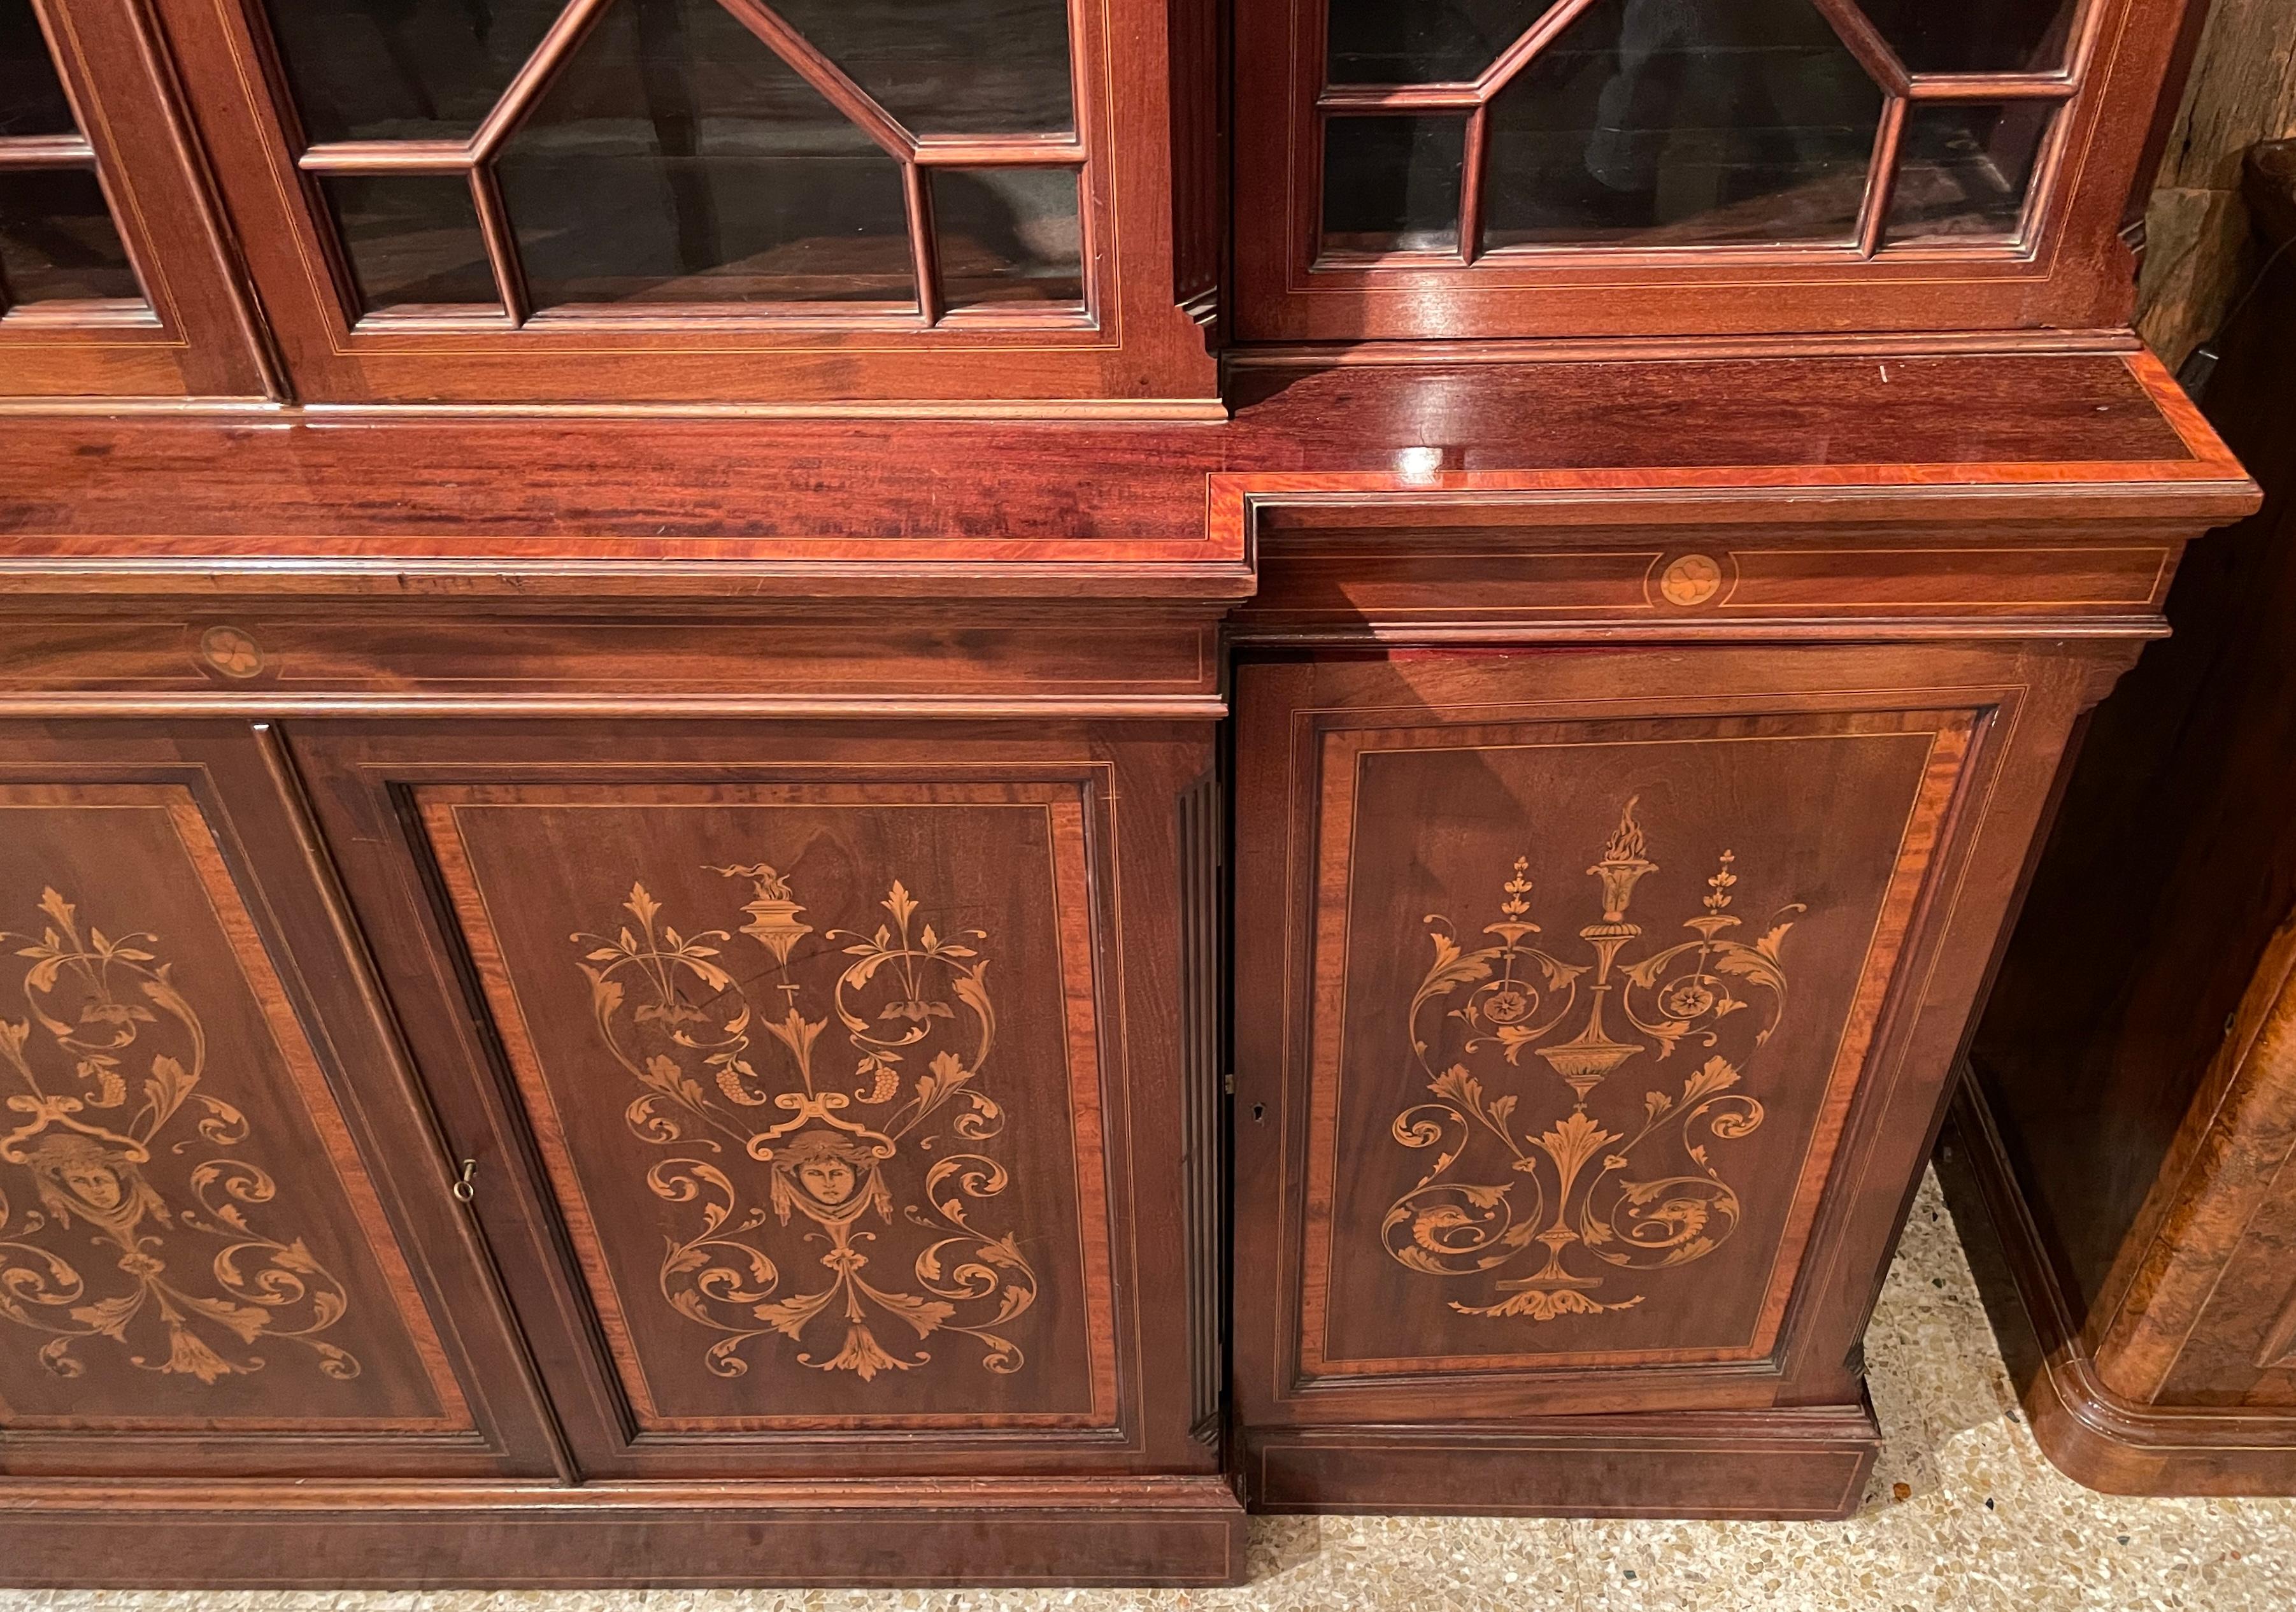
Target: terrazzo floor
1963,1515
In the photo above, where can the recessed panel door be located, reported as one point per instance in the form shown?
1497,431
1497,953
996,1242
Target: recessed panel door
834,1080
201,1267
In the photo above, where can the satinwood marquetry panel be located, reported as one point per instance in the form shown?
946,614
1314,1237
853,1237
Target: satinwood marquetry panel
188,1241
814,1071
1591,1000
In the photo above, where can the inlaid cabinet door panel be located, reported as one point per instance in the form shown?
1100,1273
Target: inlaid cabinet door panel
198,1271
820,1065
1568,977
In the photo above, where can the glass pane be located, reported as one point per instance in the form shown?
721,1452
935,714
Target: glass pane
402,69
1975,36
676,160
1008,234
411,237
1963,170
1694,122
57,240
953,67
31,99
1423,41
1392,185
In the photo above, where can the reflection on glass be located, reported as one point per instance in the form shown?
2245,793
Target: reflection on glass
1392,185
1423,41
31,99
1008,234
57,239
1963,170
953,67
1975,36
1683,122
402,69
411,237
676,159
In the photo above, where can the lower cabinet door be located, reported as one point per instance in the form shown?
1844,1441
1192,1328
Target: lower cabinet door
1593,1013
827,1084
201,1269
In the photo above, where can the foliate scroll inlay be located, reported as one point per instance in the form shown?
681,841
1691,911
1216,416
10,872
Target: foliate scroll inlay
106,1073
829,1117
1520,1180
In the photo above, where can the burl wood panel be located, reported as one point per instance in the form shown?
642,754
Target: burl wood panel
813,1070
1591,1003
187,1240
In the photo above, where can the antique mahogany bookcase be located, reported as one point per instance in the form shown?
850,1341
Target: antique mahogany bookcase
917,791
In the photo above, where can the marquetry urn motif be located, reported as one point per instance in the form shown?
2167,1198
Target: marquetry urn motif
1525,1183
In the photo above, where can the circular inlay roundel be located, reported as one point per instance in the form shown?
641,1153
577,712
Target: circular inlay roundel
231,651
1691,579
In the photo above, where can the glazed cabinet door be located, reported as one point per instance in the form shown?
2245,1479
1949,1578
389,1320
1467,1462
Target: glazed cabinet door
827,1082
598,201
115,279
1592,1016
1508,167
205,1266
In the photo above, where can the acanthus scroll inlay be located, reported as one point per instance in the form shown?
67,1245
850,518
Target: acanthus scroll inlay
1633,1191
181,1283
794,1161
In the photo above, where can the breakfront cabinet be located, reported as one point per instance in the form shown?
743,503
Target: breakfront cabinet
917,793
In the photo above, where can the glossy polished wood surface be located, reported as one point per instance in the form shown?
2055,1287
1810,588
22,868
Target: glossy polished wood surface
981,508
700,642
2133,1102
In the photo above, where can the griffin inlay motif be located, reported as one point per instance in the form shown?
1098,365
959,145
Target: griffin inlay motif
1636,1193
191,1286
801,1160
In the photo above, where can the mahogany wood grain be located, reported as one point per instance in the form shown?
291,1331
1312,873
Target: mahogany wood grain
1100,1192
1299,872
1182,1532
1133,349
2068,267
186,844
201,335
609,507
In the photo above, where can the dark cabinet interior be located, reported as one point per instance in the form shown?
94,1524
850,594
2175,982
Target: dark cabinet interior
918,793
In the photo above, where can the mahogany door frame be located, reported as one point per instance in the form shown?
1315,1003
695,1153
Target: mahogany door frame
198,333
1134,352
2069,269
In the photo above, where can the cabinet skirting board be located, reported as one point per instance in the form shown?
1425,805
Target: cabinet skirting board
1145,1531
2091,1434
1805,1463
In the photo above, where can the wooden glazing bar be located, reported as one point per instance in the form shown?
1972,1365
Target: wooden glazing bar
502,243
1534,39
1475,163
836,87
999,150
1400,98
1882,178
389,157
924,249
527,85
1991,86
47,151
1865,41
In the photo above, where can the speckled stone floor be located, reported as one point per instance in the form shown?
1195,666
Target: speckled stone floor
1963,1516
